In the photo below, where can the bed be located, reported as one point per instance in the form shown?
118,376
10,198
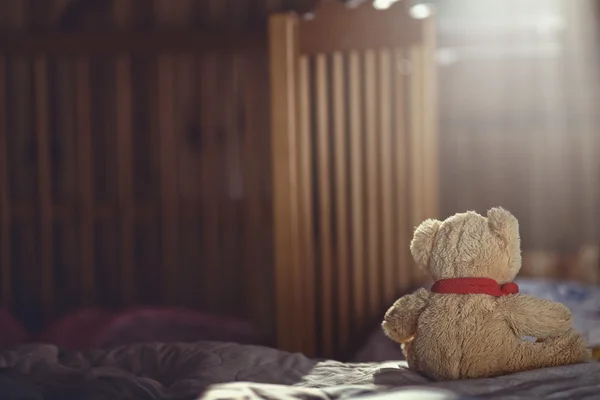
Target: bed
221,370
230,371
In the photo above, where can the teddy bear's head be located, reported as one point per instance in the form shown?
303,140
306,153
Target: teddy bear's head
469,245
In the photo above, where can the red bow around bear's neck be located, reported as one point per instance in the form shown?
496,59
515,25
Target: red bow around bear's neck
474,286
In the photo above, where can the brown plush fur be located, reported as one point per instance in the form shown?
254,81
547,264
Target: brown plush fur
456,336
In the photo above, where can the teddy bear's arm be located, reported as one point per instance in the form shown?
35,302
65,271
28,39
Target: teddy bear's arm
400,321
531,316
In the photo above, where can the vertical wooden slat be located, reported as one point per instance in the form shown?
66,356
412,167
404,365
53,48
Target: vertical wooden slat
430,116
342,276
372,182
44,184
385,169
357,188
232,181
168,178
85,176
297,290
324,210
257,216
418,152
188,171
284,56
402,277
416,132
124,127
305,171
5,257
210,175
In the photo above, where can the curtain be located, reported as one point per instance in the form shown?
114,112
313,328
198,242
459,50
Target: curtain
519,91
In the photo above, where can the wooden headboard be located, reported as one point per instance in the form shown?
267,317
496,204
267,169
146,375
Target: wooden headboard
134,170
354,166
272,173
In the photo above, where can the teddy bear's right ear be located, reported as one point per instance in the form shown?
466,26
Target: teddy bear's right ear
423,239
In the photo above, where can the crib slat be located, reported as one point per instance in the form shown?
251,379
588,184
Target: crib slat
402,269
283,46
342,276
256,160
305,179
5,212
385,170
371,135
124,127
229,83
85,175
416,142
210,157
324,183
417,151
429,85
168,177
357,188
44,184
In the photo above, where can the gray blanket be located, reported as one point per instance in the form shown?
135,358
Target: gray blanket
229,371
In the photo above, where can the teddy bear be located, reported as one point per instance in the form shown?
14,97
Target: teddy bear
473,322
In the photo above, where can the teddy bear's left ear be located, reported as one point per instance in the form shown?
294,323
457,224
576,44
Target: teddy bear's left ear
503,223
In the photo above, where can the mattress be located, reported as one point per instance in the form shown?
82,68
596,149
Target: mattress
223,371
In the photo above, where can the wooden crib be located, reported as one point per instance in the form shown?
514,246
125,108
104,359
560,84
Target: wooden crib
273,174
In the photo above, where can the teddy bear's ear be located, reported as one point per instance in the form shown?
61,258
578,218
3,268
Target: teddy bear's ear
423,239
503,223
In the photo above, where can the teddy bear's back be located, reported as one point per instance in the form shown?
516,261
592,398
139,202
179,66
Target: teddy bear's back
462,336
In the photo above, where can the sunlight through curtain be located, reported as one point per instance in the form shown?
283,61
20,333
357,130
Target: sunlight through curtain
519,97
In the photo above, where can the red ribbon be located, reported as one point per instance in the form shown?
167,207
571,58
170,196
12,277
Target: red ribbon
474,286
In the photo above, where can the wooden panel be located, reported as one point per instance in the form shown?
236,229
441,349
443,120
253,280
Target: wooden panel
284,58
403,227
113,117
168,178
322,156
85,178
416,137
44,181
371,138
5,212
131,42
430,118
359,271
386,157
258,219
423,149
305,173
231,178
124,158
342,276
337,27
374,156
211,164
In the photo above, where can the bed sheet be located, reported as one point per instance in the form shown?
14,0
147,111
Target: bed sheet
222,371
582,300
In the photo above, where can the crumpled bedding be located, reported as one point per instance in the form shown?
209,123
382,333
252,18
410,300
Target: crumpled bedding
150,371
222,371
